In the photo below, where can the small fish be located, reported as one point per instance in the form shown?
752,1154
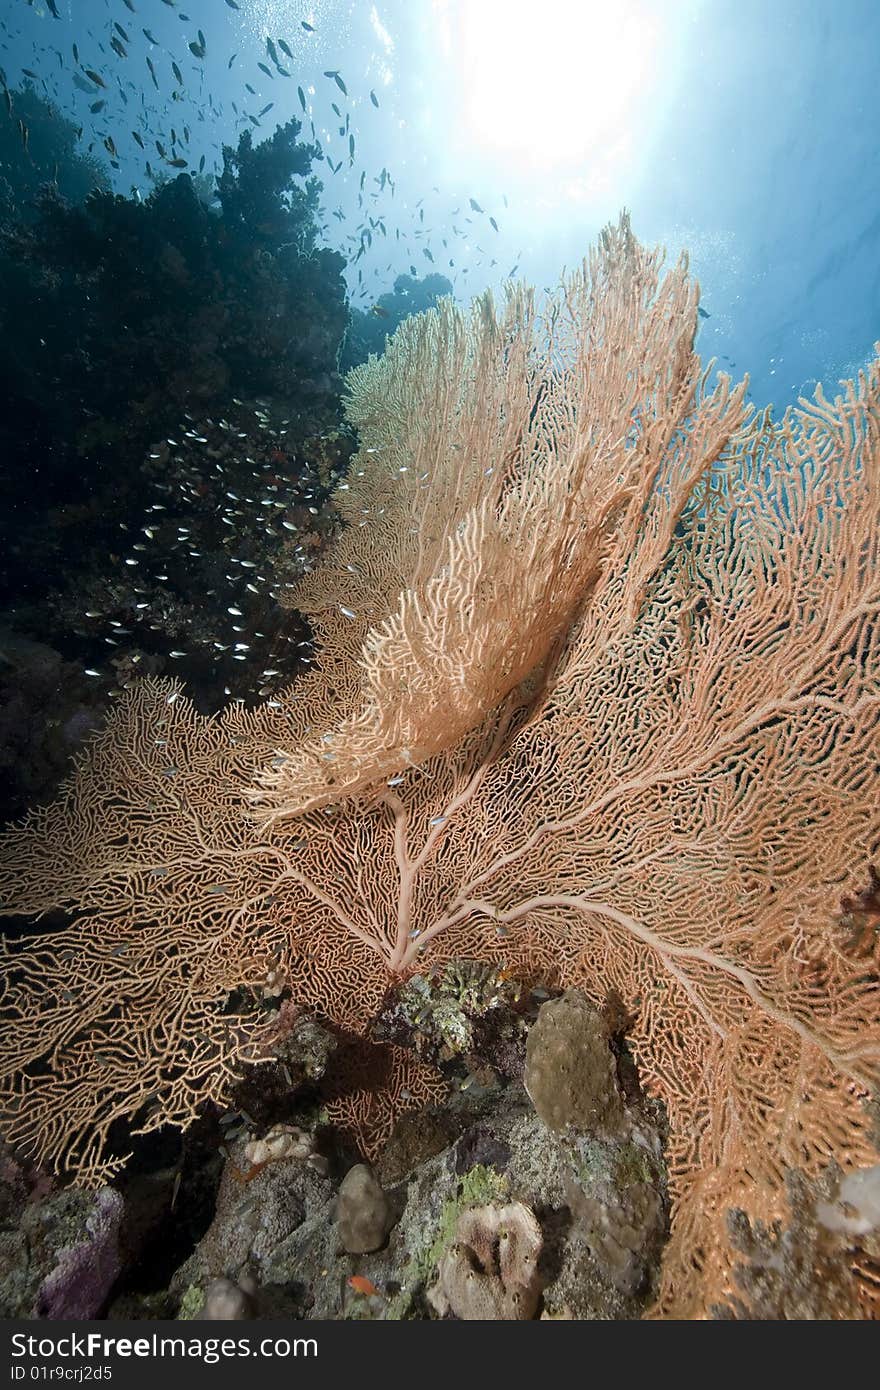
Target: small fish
117,46
493,223
75,54
265,69
90,671
231,61
177,73
363,1286
152,72
374,99
285,49
302,97
346,612
53,9
97,106
702,312
272,51
119,29
475,205
309,28
29,72
351,147
252,90
130,5
202,165
266,108
178,163
151,37
338,80
24,133
196,50
379,312
232,5
92,76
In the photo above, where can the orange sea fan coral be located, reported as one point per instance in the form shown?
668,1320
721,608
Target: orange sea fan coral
670,802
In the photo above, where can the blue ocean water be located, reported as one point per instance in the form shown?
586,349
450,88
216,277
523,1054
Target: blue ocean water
744,132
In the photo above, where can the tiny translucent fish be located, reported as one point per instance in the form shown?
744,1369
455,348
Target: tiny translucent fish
394,781
236,612
437,820
91,672
175,694
346,612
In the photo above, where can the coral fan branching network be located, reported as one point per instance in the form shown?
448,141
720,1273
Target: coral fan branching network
597,698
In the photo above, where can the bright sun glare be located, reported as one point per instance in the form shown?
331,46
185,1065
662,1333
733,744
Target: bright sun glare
556,81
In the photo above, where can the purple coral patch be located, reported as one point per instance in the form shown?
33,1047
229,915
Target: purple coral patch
79,1285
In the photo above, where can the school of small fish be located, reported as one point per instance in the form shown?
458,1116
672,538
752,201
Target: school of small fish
104,67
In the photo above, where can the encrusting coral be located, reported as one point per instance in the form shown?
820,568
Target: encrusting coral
491,1270
597,696
569,1071
363,1214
